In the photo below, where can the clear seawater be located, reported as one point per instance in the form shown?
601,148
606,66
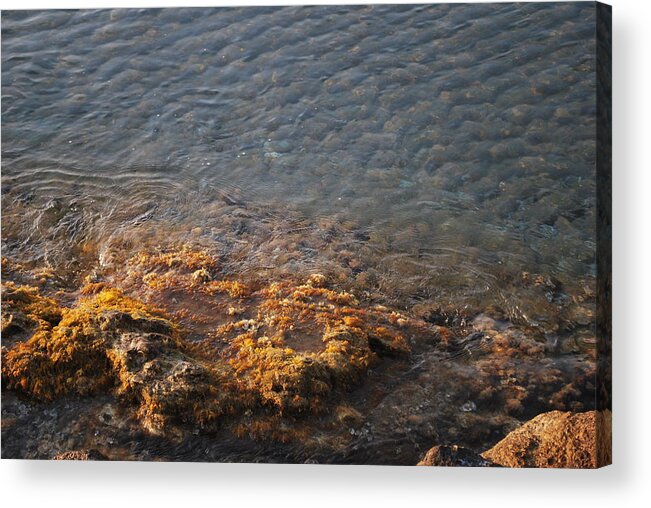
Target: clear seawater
440,154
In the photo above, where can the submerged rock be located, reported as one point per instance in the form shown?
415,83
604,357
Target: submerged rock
205,349
455,456
468,406
24,309
292,349
557,439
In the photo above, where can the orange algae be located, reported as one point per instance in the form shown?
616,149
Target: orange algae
185,268
112,341
256,357
300,382
71,357
300,313
184,259
299,348
24,308
274,427
233,288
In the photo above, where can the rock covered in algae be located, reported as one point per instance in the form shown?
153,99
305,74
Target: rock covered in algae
291,345
557,439
290,349
24,309
299,382
110,341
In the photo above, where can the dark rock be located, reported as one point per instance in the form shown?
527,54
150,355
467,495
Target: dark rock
454,456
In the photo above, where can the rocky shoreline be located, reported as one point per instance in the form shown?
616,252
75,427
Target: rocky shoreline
550,440
171,358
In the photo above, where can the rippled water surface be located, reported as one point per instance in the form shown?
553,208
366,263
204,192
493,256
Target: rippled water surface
426,155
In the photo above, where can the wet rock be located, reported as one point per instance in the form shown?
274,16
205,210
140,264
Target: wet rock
474,345
557,439
349,416
125,320
306,347
201,276
454,456
91,454
134,349
111,341
277,146
581,315
468,406
483,323
24,309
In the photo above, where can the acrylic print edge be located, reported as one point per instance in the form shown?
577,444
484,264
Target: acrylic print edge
604,233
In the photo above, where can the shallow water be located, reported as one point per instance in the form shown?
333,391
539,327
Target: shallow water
429,155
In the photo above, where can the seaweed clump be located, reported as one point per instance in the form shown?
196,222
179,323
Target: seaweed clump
279,349
300,382
291,346
306,343
24,309
110,341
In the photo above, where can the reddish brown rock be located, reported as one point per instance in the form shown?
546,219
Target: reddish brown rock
557,439
454,456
